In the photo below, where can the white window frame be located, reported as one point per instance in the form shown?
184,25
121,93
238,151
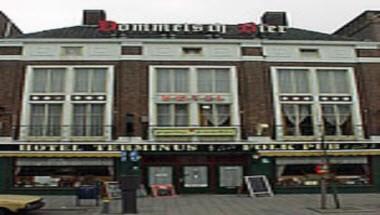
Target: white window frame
194,106
316,104
67,102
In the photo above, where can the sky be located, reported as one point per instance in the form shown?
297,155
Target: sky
318,15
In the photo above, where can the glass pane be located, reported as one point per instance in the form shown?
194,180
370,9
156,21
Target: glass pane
181,80
37,118
81,82
98,83
222,81
223,115
230,176
333,81
160,175
163,80
96,123
297,119
53,127
195,176
39,80
205,81
181,115
163,115
79,120
57,80
293,81
206,117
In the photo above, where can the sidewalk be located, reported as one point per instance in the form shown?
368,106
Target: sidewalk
301,204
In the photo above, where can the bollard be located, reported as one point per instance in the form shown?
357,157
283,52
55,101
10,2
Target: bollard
106,206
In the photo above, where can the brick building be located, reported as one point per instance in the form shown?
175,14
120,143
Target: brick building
202,105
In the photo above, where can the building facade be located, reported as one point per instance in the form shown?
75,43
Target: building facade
196,106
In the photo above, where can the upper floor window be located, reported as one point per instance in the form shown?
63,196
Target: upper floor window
293,81
45,119
213,80
172,80
49,80
76,102
172,115
316,101
215,115
333,81
90,80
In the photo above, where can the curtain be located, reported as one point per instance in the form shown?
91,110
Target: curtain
57,80
81,82
204,80
39,80
181,115
181,80
98,82
163,80
223,114
296,114
222,80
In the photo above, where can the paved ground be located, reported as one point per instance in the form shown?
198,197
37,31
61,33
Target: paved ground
305,204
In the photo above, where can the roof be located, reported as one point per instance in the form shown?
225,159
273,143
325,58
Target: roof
91,32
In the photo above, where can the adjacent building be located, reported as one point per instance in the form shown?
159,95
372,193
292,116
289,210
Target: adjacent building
198,106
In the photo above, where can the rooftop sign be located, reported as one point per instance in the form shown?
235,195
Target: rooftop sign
106,26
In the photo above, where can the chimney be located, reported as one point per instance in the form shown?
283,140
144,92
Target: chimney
92,17
274,18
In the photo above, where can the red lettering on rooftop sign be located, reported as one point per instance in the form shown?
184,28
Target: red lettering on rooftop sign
244,28
107,26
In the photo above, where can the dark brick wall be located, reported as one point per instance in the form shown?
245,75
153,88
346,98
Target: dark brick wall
10,50
368,52
131,92
251,51
10,95
131,50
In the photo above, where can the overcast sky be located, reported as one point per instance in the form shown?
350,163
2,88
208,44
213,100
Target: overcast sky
320,15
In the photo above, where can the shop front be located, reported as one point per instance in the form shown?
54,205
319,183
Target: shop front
211,173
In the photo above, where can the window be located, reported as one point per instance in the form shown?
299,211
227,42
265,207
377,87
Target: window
62,172
316,101
45,120
48,80
297,119
333,81
195,176
172,115
213,80
88,120
90,80
293,81
67,102
214,115
172,80
337,119
230,176
160,175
